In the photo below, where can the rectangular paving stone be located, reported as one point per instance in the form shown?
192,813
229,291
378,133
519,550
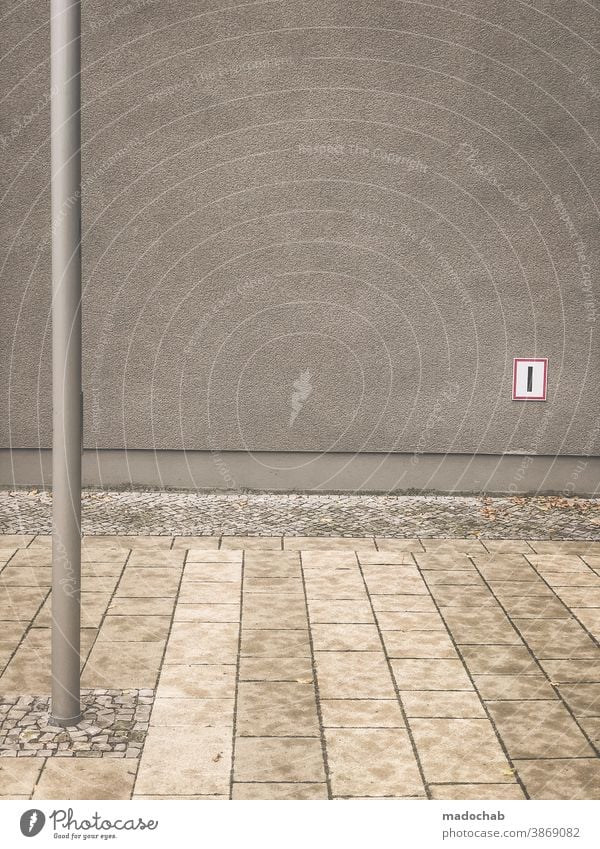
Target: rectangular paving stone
538,730
25,576
134,628
421,644
192,713
385,558
579,596
504,590
34,558
481,627
123,664
565,547
279,759
100,570
361,713
143,583
493,571
323,559
561,779
261,611
177,762
460,750
203,642
205,612
462,597
209,592
372,762
202,555
280,565
139,558
270,586
12,631
353,675
403,602
592,560
394,584
441,577
149,542
571,580
500,660
476,791
17,540
206,681
532,607
340,610
567,564
560,638
298,669
250,543
30,669
327,543
345,637
583,699
218,572
275,643
427,674
275,709
589,618
196,542
521,687
273,791
507,546
572,671
18,776
82,778
442,703
151,606
468,546
342,585
389,544
404,620
455,562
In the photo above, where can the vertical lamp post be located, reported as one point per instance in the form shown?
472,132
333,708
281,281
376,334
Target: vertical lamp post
66,360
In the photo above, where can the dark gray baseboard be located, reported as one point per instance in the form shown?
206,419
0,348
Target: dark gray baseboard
312,472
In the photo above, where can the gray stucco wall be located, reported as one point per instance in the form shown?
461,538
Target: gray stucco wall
354,212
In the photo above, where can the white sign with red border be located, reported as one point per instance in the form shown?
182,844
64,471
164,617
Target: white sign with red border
530,379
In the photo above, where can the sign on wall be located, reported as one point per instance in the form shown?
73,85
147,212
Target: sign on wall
530,379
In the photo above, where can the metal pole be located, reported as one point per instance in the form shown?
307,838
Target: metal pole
65,30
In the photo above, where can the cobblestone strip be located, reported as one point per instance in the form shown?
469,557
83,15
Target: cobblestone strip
188,750
278,752
312,515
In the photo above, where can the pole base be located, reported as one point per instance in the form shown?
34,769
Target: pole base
64,723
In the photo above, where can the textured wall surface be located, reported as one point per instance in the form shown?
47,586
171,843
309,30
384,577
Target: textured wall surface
313,225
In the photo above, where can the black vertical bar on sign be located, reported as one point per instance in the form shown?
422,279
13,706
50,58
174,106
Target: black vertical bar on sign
529,378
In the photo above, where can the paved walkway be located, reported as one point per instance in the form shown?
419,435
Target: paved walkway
266,514
335,667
